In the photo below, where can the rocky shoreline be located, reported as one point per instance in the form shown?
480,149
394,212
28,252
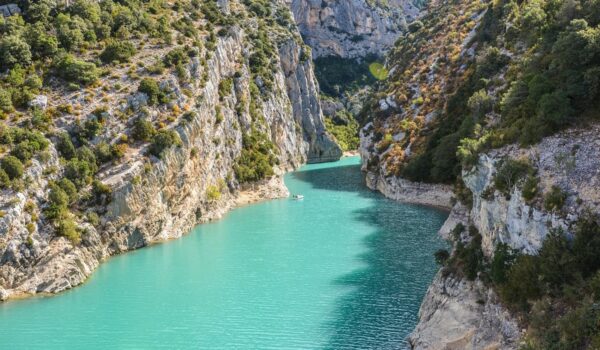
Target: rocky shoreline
272,188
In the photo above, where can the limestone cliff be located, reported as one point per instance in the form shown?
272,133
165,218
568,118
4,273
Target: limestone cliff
217,99
354,28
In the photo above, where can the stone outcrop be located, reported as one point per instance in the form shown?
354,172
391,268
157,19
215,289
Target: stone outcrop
460,314
352,28
160,199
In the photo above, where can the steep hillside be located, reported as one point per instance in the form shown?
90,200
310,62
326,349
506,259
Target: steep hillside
501,102
126,123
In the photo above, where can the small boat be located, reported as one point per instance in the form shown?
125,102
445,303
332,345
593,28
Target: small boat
298,197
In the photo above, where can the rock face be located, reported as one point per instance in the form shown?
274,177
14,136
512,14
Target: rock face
460,314
351,28
164,201
395,187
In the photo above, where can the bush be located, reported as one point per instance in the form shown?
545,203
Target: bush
530,188
176,57
510,173
14,51
12,166
66,228
65,146
58,201
69,188
101,192
441,256
163,140
4,179
225,87
555,199
143,130
119,51
213,193
150,87
73,70
80,172
503,259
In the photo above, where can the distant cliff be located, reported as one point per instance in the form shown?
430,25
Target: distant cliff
353,28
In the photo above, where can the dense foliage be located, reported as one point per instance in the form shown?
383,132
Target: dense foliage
535,71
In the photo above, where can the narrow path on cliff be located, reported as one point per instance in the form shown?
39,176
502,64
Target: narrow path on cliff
343,269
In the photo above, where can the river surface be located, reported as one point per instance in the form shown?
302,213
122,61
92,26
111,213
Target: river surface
343,269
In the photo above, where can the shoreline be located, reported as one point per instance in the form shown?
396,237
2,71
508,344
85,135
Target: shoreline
273,188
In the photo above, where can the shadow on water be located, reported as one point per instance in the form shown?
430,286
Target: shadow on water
382,307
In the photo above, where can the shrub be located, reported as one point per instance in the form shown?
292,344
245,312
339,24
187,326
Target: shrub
150,87
80,172
441,256
225,87
4,179
510,173
503,259
12,166
101,192
69,188
142,130
13,50
66,228
163,140
530,188
213,193
175,57
555,199
73,70
65,146
119,51
58,201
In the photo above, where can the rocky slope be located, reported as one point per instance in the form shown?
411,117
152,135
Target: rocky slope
352,29
467,104
158,198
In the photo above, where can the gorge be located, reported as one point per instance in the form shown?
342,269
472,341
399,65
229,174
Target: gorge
127,123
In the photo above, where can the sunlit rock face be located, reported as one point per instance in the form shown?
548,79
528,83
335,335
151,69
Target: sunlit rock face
352,28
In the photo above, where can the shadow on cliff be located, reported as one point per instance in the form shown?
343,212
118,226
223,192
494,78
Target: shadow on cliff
381,307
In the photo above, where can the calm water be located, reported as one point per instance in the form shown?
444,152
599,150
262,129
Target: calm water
343,269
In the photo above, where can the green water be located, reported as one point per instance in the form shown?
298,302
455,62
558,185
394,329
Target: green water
342,269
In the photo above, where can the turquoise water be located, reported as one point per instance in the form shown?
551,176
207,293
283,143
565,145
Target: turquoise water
342,269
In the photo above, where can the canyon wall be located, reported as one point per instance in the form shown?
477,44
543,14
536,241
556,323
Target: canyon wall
353,28
156,199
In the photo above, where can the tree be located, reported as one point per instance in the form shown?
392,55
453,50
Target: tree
65,146
74,70
142,130
4,179
12,166
164,139
119,51
13,50
150,87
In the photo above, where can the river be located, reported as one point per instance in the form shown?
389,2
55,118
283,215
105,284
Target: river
344,268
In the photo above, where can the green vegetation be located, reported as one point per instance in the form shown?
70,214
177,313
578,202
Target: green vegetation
12,167
117,51
346,135
337,75
164,139
257,158
555,199
378,71
511,173
155,94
